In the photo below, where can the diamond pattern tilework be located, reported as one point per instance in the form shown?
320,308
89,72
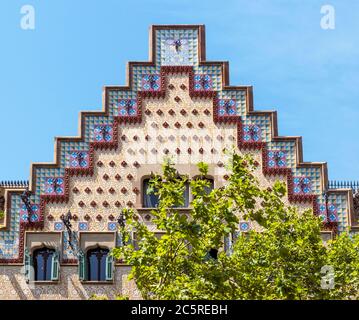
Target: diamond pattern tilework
313,174
139,72
177,47
322,213
151,82
91,124
277,159
9,240
332,213
215,72
244,226
58,226
24,216
54,186
227,107
78,159
9,249
83,226
112,226
67,148
175,52
288,148
42,174
115,96
238,96
263,122
341,204
328,213
252,133
127,107
203,82
103,133
302,185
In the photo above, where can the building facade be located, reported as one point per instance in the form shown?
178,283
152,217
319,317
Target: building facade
177,104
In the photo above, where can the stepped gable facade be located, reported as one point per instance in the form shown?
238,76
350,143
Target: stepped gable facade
177,104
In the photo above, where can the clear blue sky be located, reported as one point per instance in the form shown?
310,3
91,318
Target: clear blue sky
310,75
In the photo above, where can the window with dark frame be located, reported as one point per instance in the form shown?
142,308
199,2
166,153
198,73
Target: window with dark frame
211,185
96,264
185,197
43,263
152,200
149,200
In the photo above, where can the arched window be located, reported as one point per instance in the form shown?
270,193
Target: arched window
46,264
96,265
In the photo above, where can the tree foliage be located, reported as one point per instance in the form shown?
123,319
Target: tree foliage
281,259
343,257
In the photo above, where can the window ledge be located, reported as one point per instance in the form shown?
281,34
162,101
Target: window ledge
150,209
97,282
46,282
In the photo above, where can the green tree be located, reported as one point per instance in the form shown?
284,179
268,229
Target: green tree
281,259
343,257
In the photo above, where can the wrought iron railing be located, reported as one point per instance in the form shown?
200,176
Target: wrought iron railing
334,184
14,184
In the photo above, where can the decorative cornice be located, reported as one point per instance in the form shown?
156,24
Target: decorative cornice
14,184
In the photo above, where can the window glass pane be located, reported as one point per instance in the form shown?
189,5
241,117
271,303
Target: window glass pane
92,267
103,268
211,186
39,267
48,267
134,241
96,263
185,197
43,264
149,200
